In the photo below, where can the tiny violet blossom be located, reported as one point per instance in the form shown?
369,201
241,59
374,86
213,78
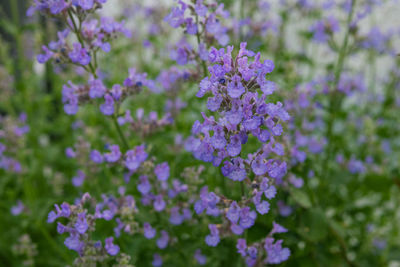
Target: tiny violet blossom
149,232
213,238
79,55
43,58
81,224
18,208
135,157
110,247
96,156
162,242
200,258
114,155
78,179
162,171
157,260
108,107
96,88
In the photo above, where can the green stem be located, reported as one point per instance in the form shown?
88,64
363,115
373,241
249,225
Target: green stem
198,47
78,35
19,50
93,71
241,34
121,135
343,246
281,38
336,98
53,243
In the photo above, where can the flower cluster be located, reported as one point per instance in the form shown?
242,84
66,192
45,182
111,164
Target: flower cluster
157,194
92,36
56,7
203,20
145,125
273,248
73,95
240,89
80,224
323,29
11,136
26,249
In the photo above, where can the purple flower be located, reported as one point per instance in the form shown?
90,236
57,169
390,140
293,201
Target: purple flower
116,91
162,171
70,153
235,171
114,155
57,6
81,224
176,217
159,203
70,99
85,4
107,215
17,209
200,258
96,88
268,87
213,103
262,207
110,247
235,87
144,185
233,212
43,58
191,28
355,166
149,232
258,166
73,243
78,179
235,146
270,192
134,158
108,107
247,217
176,17
276,254
96,156
61,228
157,260
324,28
277,228
79,55
241,247
64,211
205,86
200,9
213,238
236,229
284,210
162,242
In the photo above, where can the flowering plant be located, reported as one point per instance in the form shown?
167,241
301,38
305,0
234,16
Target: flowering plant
199,133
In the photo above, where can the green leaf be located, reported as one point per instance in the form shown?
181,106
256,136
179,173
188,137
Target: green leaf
301,198
8,27
314,225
